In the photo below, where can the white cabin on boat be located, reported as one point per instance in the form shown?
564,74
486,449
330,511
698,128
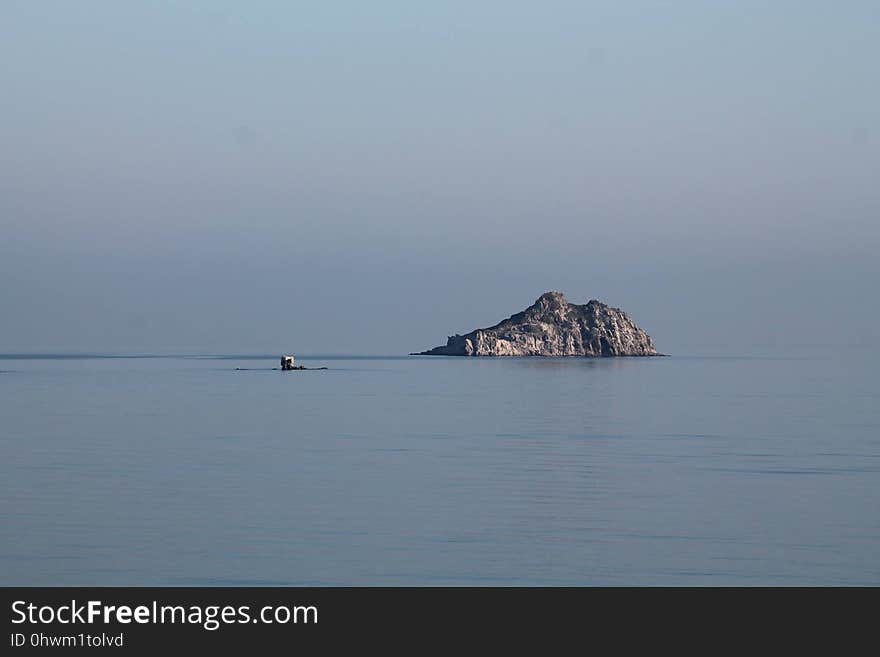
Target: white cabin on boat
287,362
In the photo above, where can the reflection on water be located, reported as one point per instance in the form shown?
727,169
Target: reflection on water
431,470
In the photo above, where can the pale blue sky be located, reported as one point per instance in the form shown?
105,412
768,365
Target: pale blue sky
369,177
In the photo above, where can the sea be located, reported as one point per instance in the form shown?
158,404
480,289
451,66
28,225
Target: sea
741,470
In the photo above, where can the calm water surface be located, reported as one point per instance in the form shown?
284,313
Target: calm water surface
434,471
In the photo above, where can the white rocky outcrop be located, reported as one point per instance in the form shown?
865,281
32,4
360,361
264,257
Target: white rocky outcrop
554,327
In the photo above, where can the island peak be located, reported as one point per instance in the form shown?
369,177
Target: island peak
553,326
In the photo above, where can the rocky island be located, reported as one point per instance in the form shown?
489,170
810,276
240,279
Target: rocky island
554,327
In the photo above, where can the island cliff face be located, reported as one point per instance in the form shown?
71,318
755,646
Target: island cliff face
554,327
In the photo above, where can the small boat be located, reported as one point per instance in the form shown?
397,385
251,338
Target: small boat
287,364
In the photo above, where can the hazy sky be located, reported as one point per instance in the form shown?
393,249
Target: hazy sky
369,177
